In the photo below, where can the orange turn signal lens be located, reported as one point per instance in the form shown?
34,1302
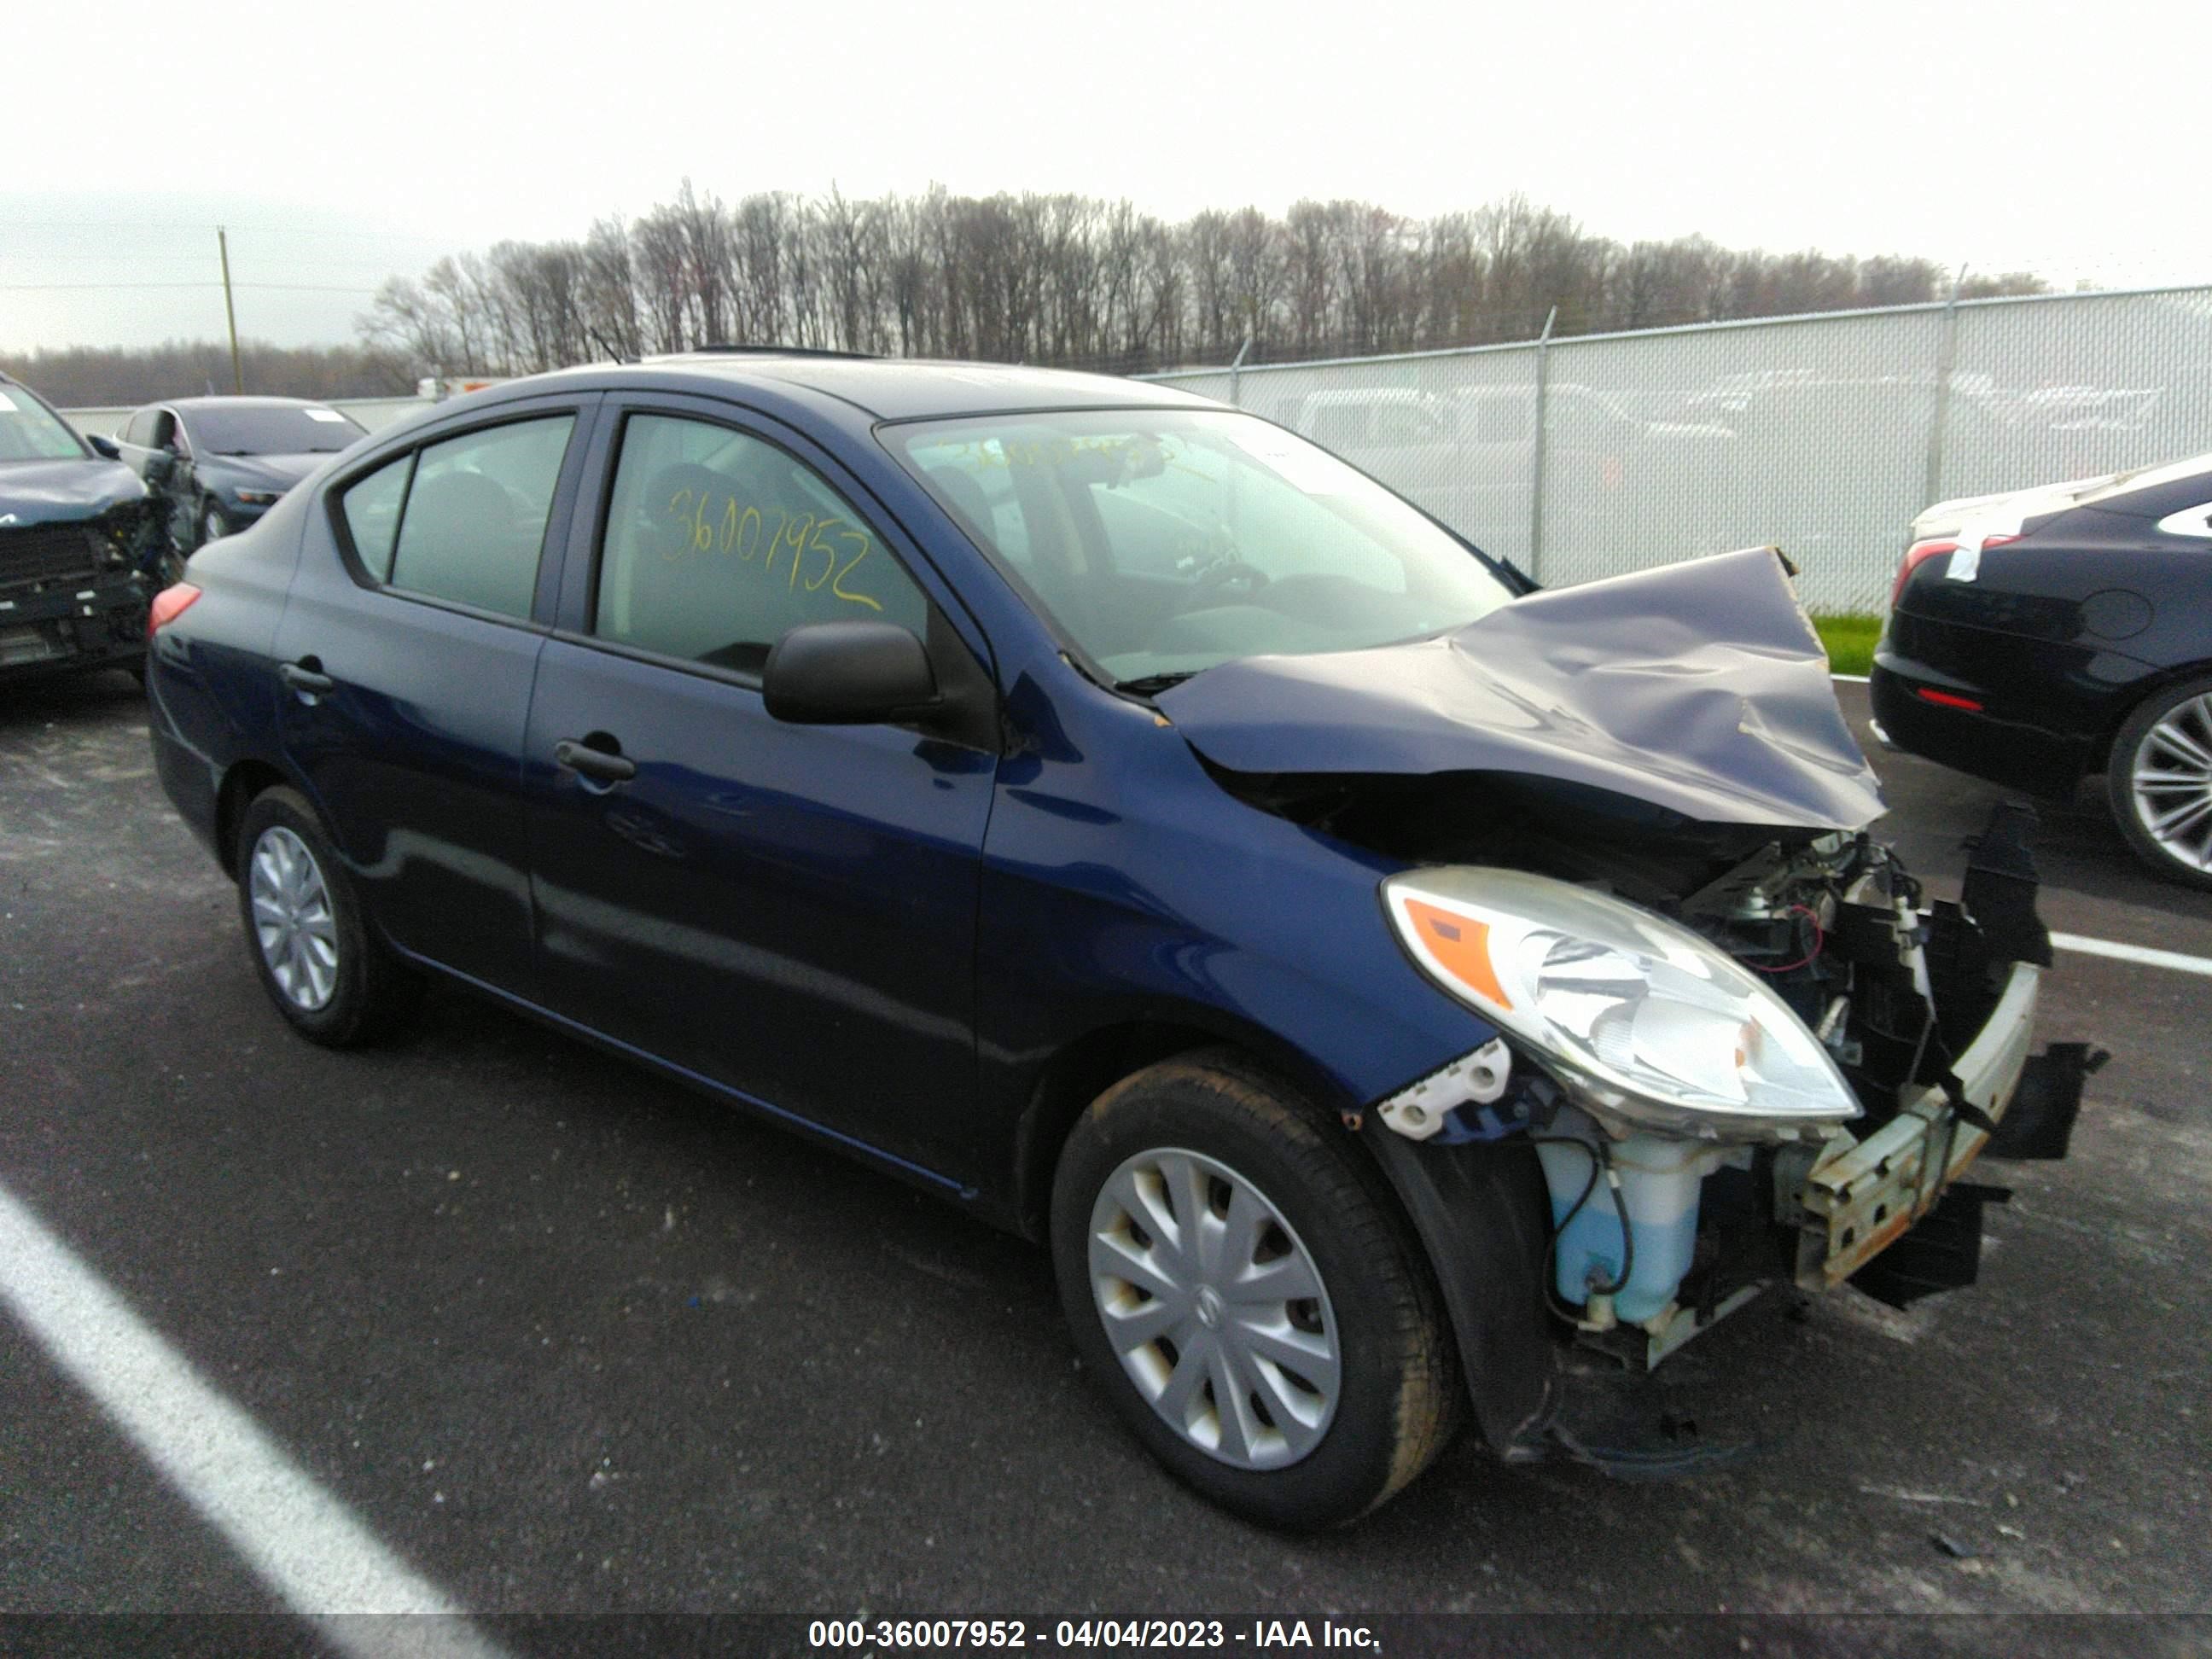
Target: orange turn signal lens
1461,946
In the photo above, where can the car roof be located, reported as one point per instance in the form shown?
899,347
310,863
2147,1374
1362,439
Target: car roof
887,388
189,405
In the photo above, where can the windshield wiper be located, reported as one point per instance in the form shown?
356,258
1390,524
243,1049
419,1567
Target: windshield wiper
1146,684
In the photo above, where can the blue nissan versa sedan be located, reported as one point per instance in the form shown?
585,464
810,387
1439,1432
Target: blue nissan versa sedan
1372,976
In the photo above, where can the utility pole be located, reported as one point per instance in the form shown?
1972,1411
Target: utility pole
230,310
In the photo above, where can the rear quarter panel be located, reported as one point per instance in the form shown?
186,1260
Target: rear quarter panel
211,690
2068,629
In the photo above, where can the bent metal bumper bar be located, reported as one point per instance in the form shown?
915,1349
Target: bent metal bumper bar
1857,1199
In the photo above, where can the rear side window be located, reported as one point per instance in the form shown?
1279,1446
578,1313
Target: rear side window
463,520
717,543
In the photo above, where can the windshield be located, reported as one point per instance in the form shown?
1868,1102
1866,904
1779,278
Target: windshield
29,431
269,431
1163,541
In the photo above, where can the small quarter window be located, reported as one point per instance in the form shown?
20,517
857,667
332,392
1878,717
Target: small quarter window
372,516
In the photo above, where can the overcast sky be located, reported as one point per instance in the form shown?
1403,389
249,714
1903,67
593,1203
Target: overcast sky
343,145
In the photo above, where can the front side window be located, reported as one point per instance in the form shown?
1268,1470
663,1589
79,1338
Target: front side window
717,543
1163,541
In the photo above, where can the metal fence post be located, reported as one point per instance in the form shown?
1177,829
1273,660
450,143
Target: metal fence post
1947,360
1236,373
1536,466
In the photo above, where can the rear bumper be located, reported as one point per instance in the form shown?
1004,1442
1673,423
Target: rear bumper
1970,740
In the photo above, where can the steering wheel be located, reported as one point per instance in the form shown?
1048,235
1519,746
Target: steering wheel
1225,575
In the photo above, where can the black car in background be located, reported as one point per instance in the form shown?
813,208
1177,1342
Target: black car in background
80,545
2039,637
221,463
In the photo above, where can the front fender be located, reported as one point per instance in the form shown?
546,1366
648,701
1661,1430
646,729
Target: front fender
1480,1210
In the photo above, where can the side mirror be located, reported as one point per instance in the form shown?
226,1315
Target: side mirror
160,467
103,445
848,673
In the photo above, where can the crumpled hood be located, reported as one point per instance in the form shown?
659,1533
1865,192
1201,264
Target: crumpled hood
62,492
1698,687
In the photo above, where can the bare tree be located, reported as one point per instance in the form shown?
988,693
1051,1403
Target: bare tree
1066,278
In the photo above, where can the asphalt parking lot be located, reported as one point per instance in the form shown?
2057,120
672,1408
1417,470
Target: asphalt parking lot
565,1339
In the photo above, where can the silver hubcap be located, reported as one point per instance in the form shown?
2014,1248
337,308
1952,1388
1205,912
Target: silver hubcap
2172,782
292,918
1215,1308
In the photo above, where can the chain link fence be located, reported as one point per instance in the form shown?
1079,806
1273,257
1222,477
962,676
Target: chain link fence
1824,435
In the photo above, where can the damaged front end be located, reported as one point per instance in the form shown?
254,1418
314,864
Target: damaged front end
1704,1135
1631,824
74,589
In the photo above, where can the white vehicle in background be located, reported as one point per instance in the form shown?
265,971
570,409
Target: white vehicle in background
1469,457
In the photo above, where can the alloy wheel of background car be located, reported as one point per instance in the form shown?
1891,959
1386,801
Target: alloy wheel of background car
1246,1289
292,918
1215,1308
213,527
2160,782
330,978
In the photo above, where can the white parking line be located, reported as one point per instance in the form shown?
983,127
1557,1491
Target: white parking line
1855,679
2137,953
299,1538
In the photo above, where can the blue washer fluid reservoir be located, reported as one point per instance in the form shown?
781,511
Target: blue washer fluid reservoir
1660,1177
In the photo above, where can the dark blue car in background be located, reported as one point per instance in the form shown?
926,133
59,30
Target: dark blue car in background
221,463
1117,815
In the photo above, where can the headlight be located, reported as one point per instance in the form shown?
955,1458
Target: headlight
1643,1021
260,497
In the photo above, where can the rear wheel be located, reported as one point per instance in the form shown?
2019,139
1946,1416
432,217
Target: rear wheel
1244,1291
2160,782
328,976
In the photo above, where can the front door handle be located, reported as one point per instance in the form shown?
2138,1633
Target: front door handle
595,763
307,677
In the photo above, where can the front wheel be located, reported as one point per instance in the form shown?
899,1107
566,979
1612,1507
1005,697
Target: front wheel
335,983
2160,782
1247,1295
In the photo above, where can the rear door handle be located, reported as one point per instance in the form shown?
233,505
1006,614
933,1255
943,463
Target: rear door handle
306,676
595,763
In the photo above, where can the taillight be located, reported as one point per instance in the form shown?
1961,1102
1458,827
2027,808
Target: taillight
169,603
1914,557
1920,552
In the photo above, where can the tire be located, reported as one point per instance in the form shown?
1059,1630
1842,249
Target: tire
1363,1390
333,980
2160,783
